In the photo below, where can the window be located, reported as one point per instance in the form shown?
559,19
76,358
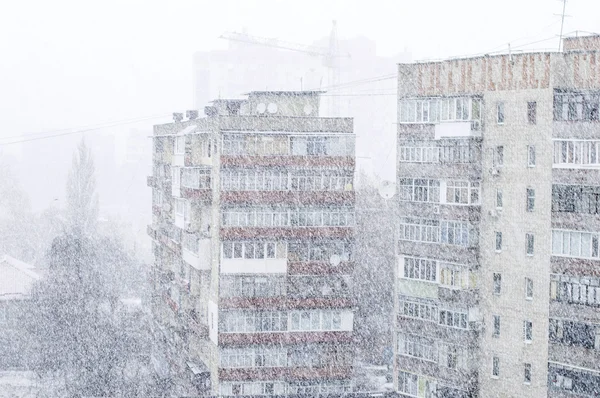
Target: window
238,321
498,198
576,153
417,346
195,178
454,233
497,283
495,367
578,290
498,160
528,331
419,154
418,190
419,230
532,112
529,238
453,319
420,268
452,357
500,112
179,144
453,275
576,199
530,199
408,383
462,192
498,241
578,244
528,288
496,330
425,311
576,105
530,156
249,250
527,373
314,320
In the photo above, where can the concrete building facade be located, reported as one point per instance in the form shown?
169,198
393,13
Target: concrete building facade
253,231
497,288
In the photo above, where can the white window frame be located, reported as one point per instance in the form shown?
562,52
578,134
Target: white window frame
563,244
417,268
464,188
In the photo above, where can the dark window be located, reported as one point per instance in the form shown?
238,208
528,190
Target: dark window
530,199
495,366
527,375
497,283
498,160
498,241
532,112
499,198
528,330
528,288
576,199
500,112
530,156
529,238
496,331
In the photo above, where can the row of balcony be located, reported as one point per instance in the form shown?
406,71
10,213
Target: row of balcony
335,371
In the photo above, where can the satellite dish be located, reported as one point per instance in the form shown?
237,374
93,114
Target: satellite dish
335,260
387,189
308,109
261,108
272,108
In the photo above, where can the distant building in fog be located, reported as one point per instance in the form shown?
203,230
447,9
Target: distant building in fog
369,99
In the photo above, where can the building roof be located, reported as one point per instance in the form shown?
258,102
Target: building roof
16,279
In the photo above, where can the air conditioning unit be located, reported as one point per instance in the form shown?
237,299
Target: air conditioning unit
177,117
495,171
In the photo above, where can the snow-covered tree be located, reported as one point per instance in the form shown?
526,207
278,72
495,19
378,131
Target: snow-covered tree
82,200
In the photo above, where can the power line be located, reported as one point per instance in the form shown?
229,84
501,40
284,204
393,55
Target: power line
82,130
97,125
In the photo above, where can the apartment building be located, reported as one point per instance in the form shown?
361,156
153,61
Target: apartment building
497,281
253,231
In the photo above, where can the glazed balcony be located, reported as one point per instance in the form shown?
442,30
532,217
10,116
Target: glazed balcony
226,339
286,232
284,303
338,162
333,371
576,356
306,198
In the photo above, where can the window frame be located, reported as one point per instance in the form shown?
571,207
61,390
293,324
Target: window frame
532,112
500,113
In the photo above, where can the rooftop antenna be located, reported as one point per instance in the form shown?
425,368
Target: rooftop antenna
562,23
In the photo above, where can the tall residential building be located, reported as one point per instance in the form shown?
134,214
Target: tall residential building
253,230
497,287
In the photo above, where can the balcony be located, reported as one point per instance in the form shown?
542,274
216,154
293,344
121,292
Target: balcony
284,303
232,233
289,197
573,355
460,379
333,371
284,338
319,268
339,162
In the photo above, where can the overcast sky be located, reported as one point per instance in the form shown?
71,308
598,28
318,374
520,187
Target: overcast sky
68,64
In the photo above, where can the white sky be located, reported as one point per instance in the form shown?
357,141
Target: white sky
74,63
